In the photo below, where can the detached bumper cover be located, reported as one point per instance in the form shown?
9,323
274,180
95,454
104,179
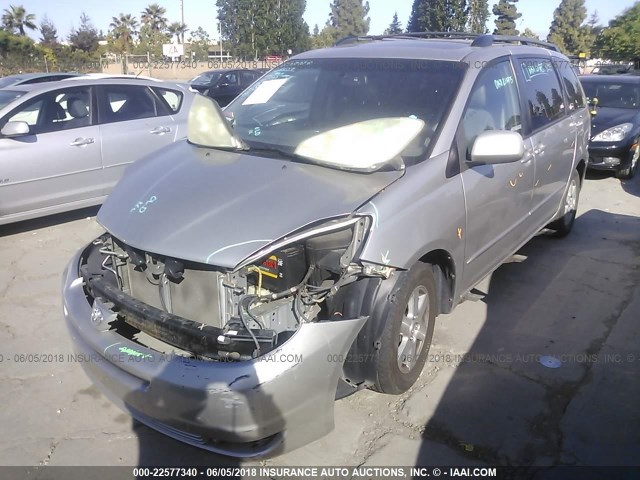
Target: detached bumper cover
265,406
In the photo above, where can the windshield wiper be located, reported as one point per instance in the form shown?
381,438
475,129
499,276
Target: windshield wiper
278,152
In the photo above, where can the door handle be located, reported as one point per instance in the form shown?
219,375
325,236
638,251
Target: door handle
527,157
160,130
81,142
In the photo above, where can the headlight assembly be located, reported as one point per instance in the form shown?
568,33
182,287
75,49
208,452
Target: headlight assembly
614,134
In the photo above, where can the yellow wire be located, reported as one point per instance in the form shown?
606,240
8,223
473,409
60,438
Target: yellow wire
259,272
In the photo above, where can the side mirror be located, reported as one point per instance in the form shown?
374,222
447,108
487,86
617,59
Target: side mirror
15,129
497,146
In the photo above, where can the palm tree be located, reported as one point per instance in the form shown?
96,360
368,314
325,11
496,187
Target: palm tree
124,27
16,18
178,29
154,16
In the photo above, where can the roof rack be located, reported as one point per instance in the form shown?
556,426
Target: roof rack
479,40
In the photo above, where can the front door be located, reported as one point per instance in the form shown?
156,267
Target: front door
498,197
59,161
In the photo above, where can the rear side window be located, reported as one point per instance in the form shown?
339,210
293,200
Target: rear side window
575,95
121,103
493,104
542,92
172,99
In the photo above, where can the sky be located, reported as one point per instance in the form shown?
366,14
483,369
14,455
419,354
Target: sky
65,14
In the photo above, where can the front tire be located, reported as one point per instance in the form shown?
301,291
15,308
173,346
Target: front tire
408,331
629,172
564,224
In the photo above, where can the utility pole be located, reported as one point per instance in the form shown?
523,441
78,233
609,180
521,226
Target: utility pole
182,17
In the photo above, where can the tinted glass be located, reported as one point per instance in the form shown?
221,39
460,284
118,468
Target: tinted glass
575,95
303,98
493,104
126,102
542,92
8,96
171,98
613,95
205,78
54,111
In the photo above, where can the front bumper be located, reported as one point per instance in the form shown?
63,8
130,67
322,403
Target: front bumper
265,406
610,156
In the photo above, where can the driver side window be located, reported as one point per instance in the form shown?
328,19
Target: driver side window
493,104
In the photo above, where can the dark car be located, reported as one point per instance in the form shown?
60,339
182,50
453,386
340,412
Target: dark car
615,126
224,85
29,78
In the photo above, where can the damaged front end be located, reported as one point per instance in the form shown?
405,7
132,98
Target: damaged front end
229,315
221,326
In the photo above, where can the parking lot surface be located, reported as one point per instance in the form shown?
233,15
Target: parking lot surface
542,369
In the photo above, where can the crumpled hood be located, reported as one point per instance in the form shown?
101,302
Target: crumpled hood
610,117
217,207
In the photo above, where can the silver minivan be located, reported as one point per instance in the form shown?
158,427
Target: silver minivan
300,244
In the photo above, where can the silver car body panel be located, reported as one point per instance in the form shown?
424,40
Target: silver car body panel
198,208
76,167
287,394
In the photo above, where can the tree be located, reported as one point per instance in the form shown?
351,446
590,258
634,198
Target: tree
567,30
478,16
322,38
199,41
48,33
507,13
620,41
150,41
349,17
530,34
84,38
395,26
124,27
16,19
178,29
438,16
154,16
255,29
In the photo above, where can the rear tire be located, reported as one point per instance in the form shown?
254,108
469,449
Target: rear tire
408,331
564,224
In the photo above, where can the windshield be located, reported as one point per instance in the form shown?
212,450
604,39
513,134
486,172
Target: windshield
614,95
205,78
8,96
302,99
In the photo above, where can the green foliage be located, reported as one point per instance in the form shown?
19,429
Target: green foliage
199,43
123,28
323,38
255,29
620,41
395,26
438,16
16,20
155,16
568,30
84,38
530,34
349,17
48,33
507,13
478,16
178,29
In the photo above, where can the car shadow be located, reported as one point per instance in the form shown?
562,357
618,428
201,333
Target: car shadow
545,381
47,221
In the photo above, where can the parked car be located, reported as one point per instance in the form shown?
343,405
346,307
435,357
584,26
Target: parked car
64,145
612,69
299,246
31,78
615,126
224,85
